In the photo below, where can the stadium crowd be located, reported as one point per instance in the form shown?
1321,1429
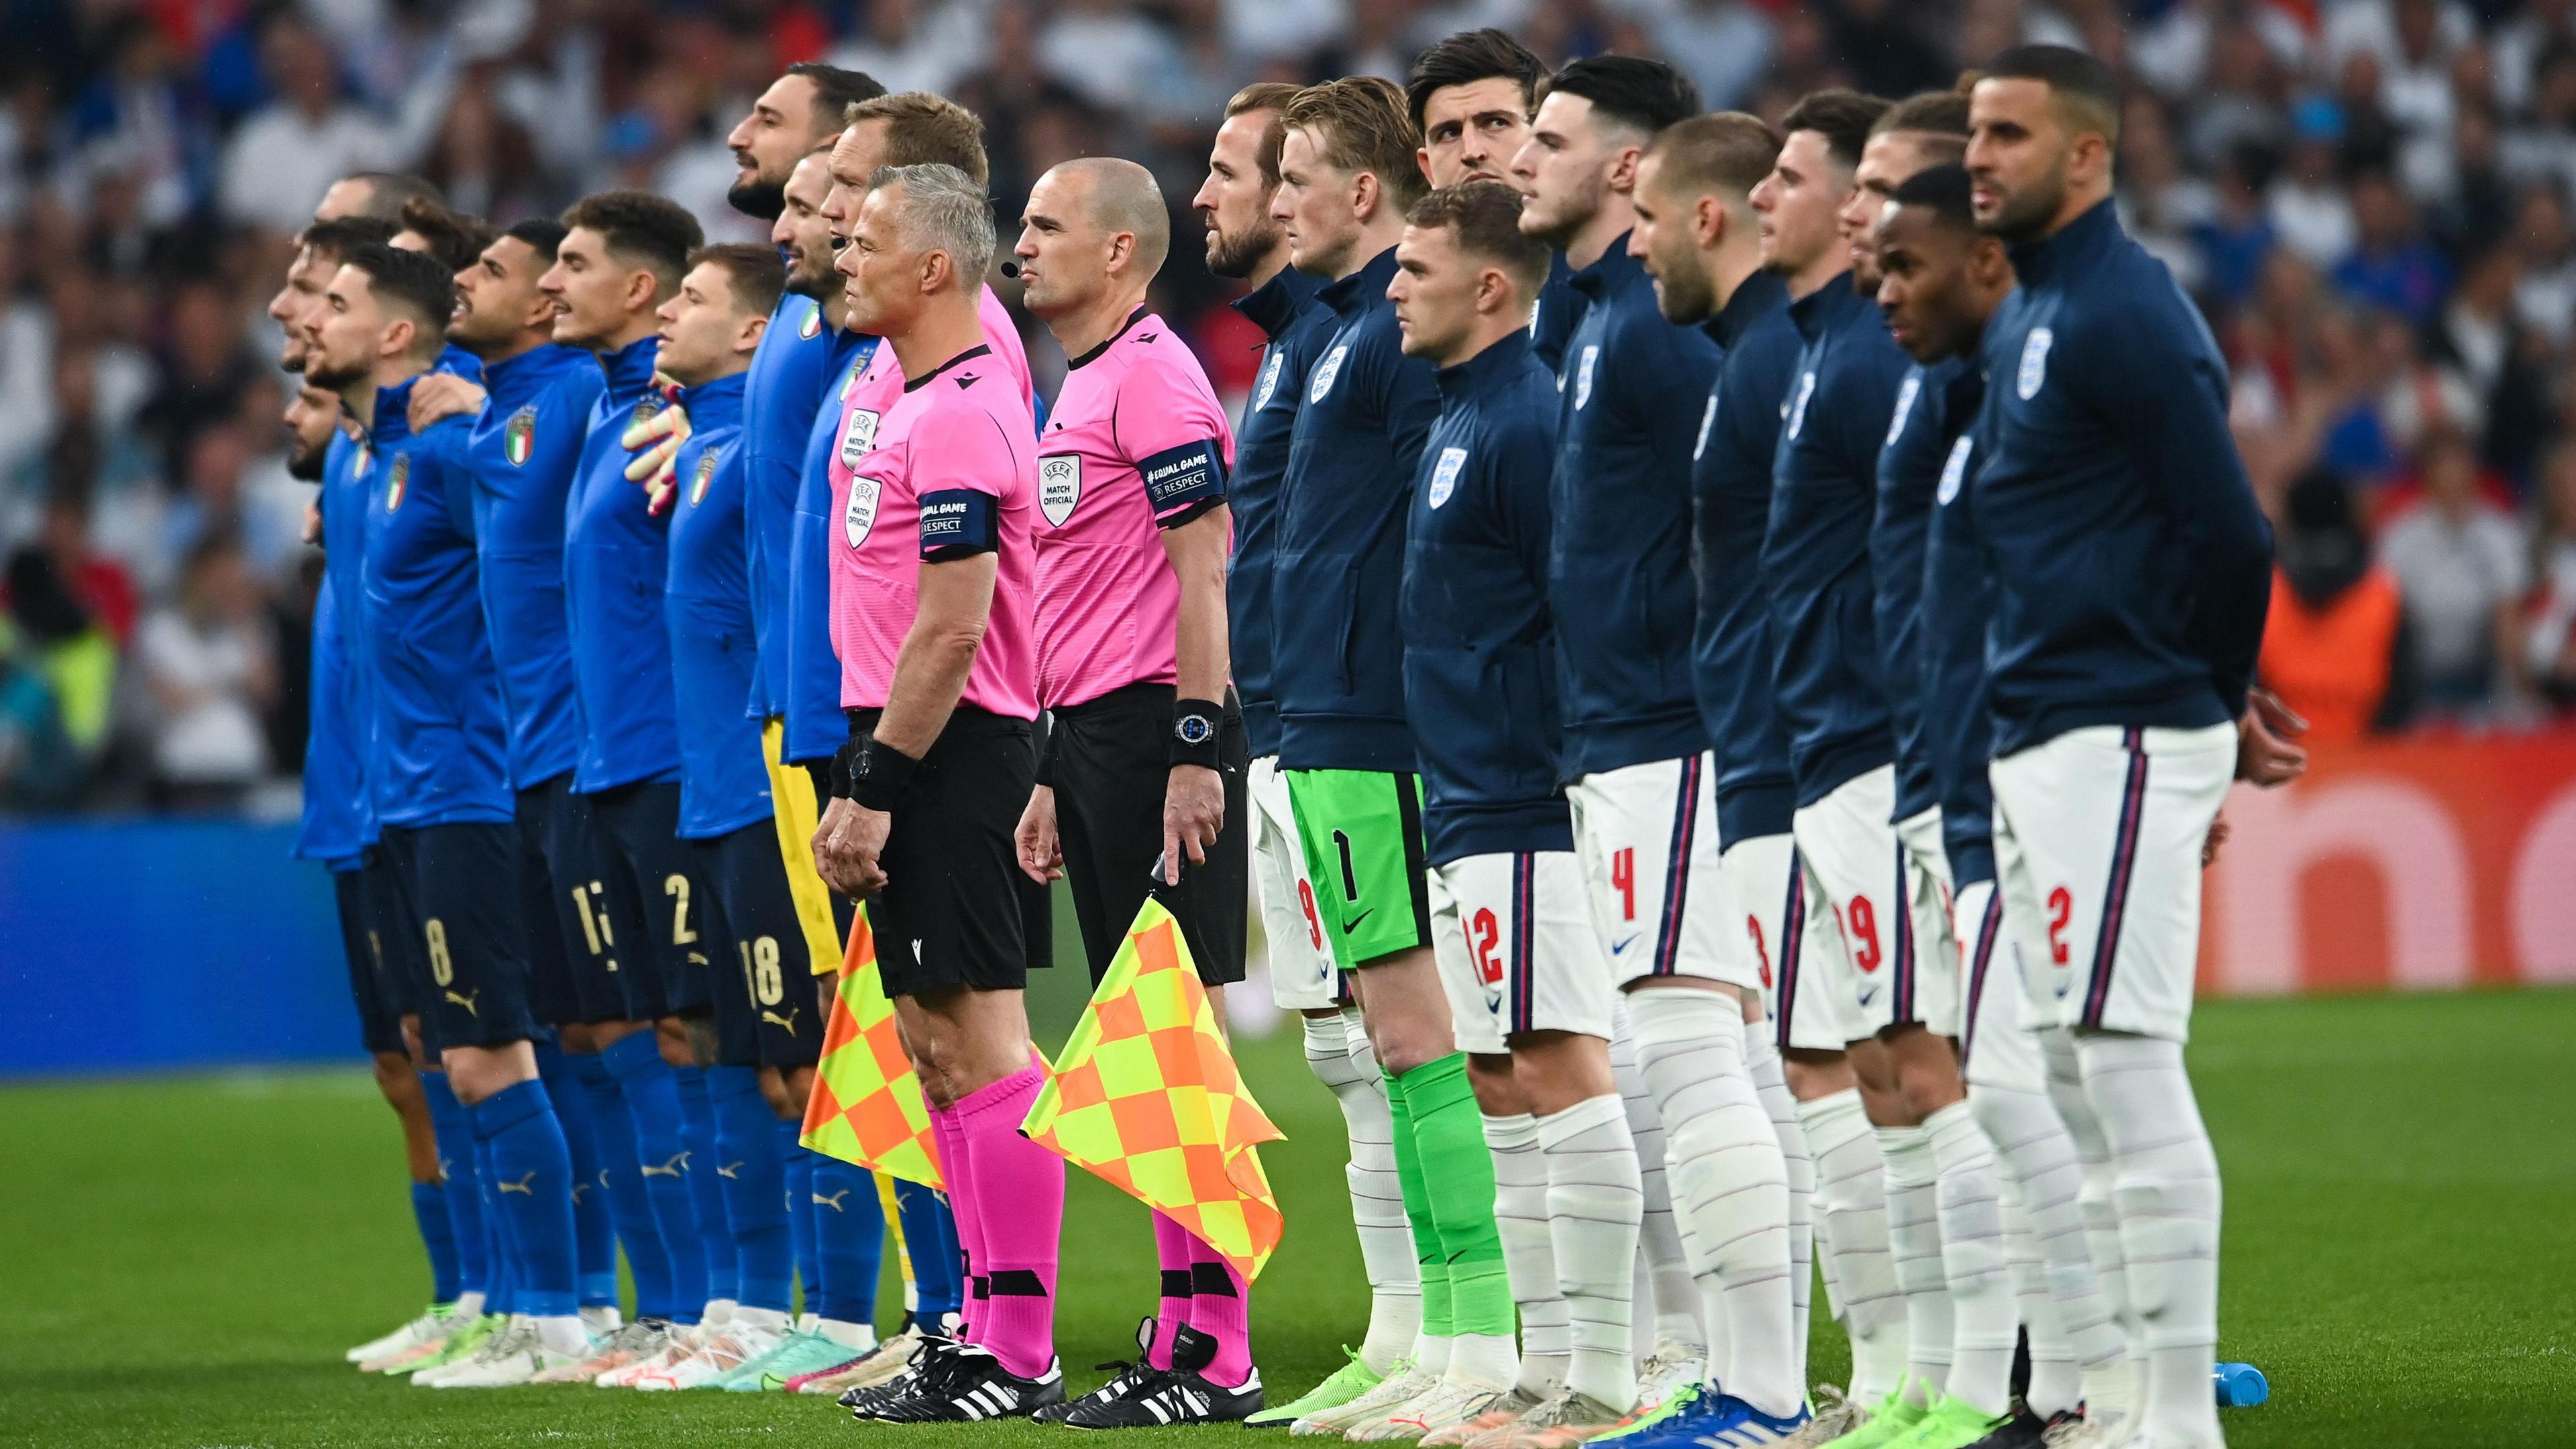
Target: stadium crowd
2369,198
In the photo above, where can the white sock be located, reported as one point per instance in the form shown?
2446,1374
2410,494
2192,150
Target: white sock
1667,1269
859,1337
1338,1051
1593,1206
716,1314
1430,1352
1973,1267
2111,1390
1482,1361
470,1305
2168,1198
1731,1186
562,1333
2054,1383
1914,1241
1529,1258
1851,1216
1771,1083
772,1319
601,1320
2038,1158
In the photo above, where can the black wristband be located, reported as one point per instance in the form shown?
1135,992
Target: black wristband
1195,724
882,777
845,763
1046,749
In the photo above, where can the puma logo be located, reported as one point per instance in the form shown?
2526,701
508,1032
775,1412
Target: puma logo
466,1001
678,1164
522,1185
578,1189
728,1169
785,1023
834,1201
603,1178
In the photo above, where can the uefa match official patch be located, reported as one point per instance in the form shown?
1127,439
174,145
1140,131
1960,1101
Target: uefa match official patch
1059,486
857,436
859,515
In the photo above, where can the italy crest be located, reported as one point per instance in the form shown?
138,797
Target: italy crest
519,439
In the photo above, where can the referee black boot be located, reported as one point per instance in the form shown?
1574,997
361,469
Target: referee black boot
1181,1396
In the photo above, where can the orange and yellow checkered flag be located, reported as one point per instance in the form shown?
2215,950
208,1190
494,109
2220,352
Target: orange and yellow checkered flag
1146,1096
867,1105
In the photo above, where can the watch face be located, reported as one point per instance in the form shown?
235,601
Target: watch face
1193,729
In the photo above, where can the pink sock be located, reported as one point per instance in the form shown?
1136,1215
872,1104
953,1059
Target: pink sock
948,1130
1173,1248
1221,1308
1018,1192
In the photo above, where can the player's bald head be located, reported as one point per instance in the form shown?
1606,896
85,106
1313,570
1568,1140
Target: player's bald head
1118,195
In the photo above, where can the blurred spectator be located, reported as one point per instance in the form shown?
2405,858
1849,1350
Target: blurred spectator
206,660
2335,647
65,646
39,769
1722,45
281,160
2550,639
916,45
2310,208
2463,567
97,583
2545,293
2390,265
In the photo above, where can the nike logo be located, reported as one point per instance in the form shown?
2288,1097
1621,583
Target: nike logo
522,1185
1868,995
728,1169
1620,946
678,1164
785,1023
834,1201
1353,923
466,1001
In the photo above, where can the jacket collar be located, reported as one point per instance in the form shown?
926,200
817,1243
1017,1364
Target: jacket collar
716,404
1608,270
1273,306
1477,373
1756,297
2079,241
1355,293
630,369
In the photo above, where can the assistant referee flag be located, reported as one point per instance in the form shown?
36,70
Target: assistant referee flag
867,1105
1145,1095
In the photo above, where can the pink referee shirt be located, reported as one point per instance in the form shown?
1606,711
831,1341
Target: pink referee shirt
921,471
1136,443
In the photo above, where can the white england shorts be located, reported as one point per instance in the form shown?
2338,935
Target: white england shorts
2103,828
1513,937
1770,906
1860,920
1927,913
1648,837
1302,974
1995,1049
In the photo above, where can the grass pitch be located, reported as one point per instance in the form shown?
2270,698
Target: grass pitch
182,1260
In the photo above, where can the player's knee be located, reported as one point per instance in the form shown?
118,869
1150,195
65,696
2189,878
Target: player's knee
1813,1075
671,1034
399,1081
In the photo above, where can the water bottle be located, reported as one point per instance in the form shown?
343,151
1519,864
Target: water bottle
2241,1386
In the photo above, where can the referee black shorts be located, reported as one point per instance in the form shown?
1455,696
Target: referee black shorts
379,1010
1110,765
639,829
767,1010
464,886
572,970
957,910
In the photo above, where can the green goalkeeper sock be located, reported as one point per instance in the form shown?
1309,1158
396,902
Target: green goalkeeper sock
1417,1210
1457,1172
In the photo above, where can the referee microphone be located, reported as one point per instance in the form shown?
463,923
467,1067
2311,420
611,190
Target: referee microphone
1011,268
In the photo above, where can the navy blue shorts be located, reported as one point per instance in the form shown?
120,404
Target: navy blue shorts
463,881
379,1012
767,1012
402,973
573,971
639,830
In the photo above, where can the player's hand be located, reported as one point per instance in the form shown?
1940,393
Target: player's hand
313,523
2264,757
1193,812
847,846
655,442
1041,852
442,395
2279,718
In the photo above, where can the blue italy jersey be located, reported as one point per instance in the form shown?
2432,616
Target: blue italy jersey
1338,660
1958,605
441,740
1285,310
1909,472
723,784
1479,652
333,830
1631,388
1731,657
797,362
2132,569
616,554
1815,556
807,675
523,450
343,501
